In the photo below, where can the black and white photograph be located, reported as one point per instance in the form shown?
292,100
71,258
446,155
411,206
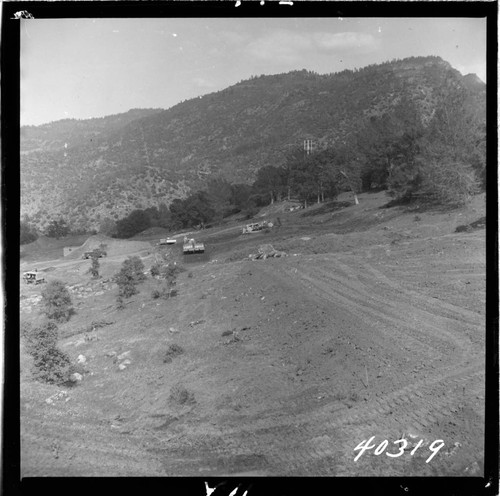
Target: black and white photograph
253,246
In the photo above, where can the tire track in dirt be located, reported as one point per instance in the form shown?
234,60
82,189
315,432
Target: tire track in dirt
431,325
377,314
292,444
51,446
328,435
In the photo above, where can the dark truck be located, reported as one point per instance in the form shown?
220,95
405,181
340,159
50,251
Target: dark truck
88,254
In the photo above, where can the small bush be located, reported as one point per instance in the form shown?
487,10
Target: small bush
190,275
171,271
119,303
130,275
53,366
50,364
40,339
56,302
155,270
181,396
164,292
94,267
174,350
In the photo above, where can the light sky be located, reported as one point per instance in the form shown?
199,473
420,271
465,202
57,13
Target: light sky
83,68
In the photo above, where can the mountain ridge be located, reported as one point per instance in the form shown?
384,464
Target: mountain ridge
106,167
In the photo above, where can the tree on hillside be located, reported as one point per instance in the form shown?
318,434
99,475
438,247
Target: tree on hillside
195,210
164,216
94,265
389,141
50,364
240,196
130,275
136,222
458,132
107,227
445,164
313,177
176,209
57,229
303,179
270,182
56,301
27,233
219,195
199,210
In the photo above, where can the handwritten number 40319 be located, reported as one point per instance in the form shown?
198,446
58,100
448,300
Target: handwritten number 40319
365,445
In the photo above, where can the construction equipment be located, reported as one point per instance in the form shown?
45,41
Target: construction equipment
168,241
256,227
88,254
191,246
33,277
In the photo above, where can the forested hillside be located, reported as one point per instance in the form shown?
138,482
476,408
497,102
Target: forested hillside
415,126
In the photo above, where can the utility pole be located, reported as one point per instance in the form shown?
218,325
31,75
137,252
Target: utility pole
308,146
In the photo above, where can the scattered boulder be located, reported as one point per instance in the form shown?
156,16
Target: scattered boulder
124,355
76,377
267,251
58,396
196,322
173,330
233,339
81,359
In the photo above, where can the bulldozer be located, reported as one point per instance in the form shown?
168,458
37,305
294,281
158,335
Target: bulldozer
191,246
256,227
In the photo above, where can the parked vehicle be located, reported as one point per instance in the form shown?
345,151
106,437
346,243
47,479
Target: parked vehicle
191,246
256,227
168,241
88,254
33,277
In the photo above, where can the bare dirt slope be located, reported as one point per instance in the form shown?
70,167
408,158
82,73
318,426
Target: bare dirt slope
288,364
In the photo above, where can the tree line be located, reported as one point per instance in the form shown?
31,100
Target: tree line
441,161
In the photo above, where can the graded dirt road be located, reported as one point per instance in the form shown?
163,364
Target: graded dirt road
291,363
